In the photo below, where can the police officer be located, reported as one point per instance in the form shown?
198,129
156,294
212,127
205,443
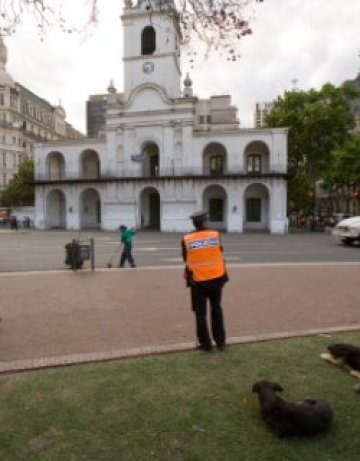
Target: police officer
205,274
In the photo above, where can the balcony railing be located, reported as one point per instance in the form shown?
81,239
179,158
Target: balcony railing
153,175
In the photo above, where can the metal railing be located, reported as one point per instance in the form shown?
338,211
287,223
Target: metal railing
161,173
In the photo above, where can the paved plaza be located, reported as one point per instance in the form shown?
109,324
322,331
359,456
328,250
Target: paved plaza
54,318
31,250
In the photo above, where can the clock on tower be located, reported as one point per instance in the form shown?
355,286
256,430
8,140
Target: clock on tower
148,67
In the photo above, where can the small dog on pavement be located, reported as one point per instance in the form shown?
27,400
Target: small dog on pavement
306,417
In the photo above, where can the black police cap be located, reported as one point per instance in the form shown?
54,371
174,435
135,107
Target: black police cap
199,216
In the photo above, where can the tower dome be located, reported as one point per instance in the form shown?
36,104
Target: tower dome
111,88
5,77
60,110
188,82
188,91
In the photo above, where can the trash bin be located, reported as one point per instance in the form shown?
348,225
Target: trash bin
85,252
73,255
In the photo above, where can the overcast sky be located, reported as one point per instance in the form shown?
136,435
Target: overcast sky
312,41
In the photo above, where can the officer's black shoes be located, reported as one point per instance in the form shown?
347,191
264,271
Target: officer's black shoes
133,265
204,348
219,346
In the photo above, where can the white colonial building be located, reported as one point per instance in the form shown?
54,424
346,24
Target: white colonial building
165,153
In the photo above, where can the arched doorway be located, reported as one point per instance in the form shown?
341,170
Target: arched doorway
90,209
56,210
215,201
256,208
150,209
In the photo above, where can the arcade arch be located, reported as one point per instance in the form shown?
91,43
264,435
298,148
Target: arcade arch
151,165
257,207
55,165
257,158
90,209
89,164
56,209
215,201
150,209
214,159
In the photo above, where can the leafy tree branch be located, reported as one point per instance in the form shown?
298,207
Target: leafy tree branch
218,24
20,191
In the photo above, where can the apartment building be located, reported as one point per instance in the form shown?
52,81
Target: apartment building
261,111
25,118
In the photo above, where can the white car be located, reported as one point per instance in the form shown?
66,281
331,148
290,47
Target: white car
348,230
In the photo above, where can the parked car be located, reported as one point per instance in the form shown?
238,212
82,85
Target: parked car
341,216
348,230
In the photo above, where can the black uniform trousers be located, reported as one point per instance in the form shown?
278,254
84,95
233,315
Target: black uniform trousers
199,296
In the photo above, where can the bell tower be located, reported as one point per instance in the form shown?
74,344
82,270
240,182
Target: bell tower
151,46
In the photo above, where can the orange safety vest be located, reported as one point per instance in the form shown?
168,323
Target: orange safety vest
203,255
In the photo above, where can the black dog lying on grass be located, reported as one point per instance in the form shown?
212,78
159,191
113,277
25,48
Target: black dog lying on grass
305,417
346,355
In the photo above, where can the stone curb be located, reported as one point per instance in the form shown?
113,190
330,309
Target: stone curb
121,354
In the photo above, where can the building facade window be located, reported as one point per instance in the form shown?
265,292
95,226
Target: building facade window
253,163
216,165
154,165
148,40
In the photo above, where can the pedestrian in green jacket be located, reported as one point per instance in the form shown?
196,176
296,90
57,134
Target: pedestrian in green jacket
126,238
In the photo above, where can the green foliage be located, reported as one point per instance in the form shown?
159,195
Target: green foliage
219,25
20,191
183,407
344,167
319,123
300,195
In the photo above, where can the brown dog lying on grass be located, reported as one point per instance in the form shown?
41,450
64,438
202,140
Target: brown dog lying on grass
305,417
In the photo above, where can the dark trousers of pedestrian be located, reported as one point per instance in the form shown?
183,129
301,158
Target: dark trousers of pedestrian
199,297
126,255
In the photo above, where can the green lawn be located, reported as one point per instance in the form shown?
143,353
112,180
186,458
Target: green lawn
189,406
